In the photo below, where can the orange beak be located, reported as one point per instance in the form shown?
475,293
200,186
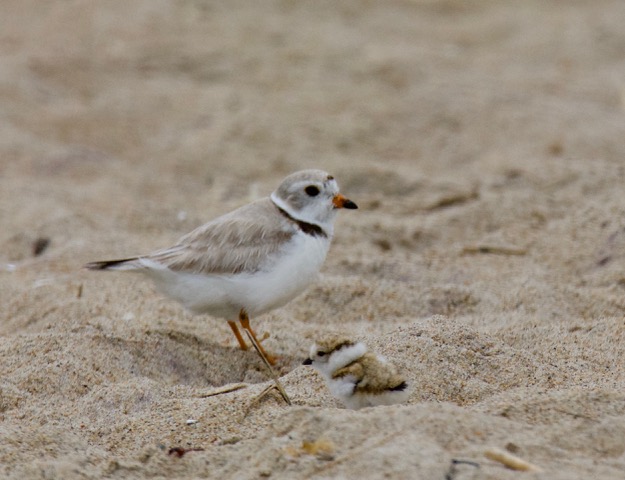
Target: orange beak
340,201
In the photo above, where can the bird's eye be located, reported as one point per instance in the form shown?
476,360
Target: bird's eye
321,354
312,190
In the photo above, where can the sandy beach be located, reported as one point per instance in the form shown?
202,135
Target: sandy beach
484,143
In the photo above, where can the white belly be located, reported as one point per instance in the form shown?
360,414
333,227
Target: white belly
225,295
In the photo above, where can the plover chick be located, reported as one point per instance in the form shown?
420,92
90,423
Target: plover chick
355,376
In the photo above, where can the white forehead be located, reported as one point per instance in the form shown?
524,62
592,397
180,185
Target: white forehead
309,176
324,184
313,350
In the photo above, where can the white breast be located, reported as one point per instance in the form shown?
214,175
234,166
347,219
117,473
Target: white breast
342,387
284,276
291,272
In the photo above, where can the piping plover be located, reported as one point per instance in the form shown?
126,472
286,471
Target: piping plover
355,376
251,260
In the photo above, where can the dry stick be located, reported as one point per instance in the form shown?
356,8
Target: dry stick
451,473
224,389
257,399
511,461
496,249
271,371
454,199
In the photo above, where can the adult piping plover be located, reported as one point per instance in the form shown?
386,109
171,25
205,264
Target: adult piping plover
251,260
355,376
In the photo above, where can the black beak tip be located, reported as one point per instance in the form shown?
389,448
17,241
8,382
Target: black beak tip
308,361
350,205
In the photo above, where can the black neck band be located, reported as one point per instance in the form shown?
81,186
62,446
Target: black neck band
308,228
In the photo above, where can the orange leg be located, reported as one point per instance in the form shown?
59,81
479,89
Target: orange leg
245,323
237,334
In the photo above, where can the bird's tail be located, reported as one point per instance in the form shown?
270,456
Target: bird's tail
123,264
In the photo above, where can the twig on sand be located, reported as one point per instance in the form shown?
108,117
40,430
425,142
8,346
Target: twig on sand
258,398
453,467
273,374
181,452
455,198
511,461
496,249
225,389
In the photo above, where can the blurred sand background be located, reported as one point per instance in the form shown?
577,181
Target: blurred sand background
484,142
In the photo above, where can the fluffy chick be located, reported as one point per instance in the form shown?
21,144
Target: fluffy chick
355,376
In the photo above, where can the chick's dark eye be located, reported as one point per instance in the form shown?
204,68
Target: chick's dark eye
321,354
312,191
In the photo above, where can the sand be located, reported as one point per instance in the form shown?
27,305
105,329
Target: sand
484,144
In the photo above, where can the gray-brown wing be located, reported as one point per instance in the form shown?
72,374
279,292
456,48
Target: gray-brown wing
378,376
240,241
